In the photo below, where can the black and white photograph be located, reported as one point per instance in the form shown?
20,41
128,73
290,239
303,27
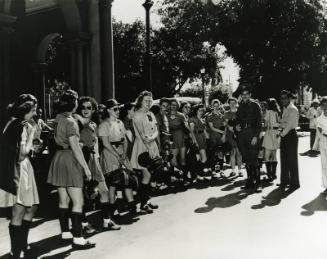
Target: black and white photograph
163,129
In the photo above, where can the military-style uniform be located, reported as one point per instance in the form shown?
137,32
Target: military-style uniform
249,118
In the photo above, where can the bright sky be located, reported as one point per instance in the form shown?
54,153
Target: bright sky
130,10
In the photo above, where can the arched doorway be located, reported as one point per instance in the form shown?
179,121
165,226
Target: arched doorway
53,69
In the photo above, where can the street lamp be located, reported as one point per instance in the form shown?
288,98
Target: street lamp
203,71
148,63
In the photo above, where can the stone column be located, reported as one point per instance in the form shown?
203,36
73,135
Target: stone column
94,52
107,50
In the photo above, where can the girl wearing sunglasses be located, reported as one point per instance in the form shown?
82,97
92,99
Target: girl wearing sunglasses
112,134
87,115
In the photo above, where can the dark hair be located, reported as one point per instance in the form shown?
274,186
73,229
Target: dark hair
273,105
323,100
175,100
21,99
183,104
164,100
196,108
139,99
67,101
124,111
155,109
288,93
19,110
94,104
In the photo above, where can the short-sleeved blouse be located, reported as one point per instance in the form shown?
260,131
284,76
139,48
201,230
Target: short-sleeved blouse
199,125
216,119
271,119
66,126
176,123
88,134
115,130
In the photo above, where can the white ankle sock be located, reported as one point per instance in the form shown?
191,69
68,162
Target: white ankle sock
79,241
66,235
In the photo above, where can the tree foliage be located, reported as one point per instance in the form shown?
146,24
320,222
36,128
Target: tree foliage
129,47
277,43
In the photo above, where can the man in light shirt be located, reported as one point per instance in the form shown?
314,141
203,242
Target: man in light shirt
321,141
289,143
312,114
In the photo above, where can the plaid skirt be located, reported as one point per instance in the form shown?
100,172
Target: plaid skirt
65,171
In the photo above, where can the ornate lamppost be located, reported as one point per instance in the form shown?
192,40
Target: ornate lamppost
148,59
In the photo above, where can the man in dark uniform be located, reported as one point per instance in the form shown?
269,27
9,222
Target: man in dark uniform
248,124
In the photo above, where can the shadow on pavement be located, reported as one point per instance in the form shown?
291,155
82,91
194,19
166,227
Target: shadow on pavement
47,245
226,201
273,198
318,204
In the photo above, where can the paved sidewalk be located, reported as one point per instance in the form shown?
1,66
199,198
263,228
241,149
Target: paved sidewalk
215,222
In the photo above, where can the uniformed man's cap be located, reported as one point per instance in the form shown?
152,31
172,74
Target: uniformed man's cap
245,87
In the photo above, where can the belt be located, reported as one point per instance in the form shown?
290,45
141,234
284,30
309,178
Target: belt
63,148
117,143
276,128
247,126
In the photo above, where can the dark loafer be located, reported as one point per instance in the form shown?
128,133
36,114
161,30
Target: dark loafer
87,245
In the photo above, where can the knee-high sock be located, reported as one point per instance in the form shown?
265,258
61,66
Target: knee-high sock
64,219
16,240
105,210
84,219
132,206
26,225
268,168
76,224
249,173
111,209
144,193
274,168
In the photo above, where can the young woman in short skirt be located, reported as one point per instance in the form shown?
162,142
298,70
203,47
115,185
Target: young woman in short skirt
216,126
17,182
177,127
271,138
114,157
146,132
199,137
87,116
67,171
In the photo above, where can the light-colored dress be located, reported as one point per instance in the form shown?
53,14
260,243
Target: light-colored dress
321,145
27,194
146,125
115,131
271,139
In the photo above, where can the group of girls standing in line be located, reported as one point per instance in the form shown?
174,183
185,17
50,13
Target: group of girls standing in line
94,144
